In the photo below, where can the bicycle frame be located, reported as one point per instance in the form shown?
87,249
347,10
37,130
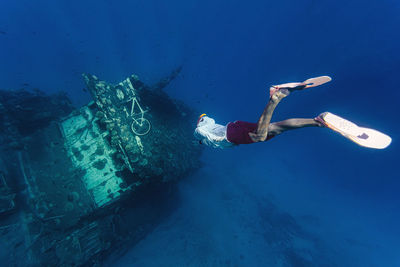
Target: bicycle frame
132,112
137,117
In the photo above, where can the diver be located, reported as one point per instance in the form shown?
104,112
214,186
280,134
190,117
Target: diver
240,132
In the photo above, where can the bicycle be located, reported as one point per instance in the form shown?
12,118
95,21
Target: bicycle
141,125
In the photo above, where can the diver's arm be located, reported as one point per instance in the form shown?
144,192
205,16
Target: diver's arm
206,137
205,132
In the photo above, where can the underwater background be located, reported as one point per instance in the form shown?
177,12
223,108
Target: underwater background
309,196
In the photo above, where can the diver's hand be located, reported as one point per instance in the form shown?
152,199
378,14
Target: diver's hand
258,137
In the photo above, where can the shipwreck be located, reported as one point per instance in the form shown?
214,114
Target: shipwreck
79,185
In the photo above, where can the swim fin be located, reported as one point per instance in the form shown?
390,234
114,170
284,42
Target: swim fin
312,82
317,81
362,136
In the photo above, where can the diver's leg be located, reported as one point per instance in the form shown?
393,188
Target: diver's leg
279,127
263,123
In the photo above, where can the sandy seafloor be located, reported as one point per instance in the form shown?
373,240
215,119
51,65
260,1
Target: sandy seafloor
231,215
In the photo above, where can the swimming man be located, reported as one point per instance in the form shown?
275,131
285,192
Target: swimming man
241,132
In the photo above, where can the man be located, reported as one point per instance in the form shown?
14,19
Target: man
241,132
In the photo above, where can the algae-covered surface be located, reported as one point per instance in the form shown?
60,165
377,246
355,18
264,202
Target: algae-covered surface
72,181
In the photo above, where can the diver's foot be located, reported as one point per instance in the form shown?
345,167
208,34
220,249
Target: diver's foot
278,94
273,90
320,119
288,87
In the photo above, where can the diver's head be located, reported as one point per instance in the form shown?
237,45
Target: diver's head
204,119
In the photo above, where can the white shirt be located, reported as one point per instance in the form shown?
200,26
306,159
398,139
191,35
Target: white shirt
211,133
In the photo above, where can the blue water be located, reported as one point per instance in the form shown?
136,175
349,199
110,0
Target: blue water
343,195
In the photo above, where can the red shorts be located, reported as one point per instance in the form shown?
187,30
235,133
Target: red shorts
238,132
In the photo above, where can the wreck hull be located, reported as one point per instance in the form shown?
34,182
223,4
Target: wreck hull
84,183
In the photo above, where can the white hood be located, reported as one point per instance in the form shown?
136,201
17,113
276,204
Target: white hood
205,121
211,133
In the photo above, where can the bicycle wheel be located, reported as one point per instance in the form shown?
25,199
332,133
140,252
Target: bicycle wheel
141,126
